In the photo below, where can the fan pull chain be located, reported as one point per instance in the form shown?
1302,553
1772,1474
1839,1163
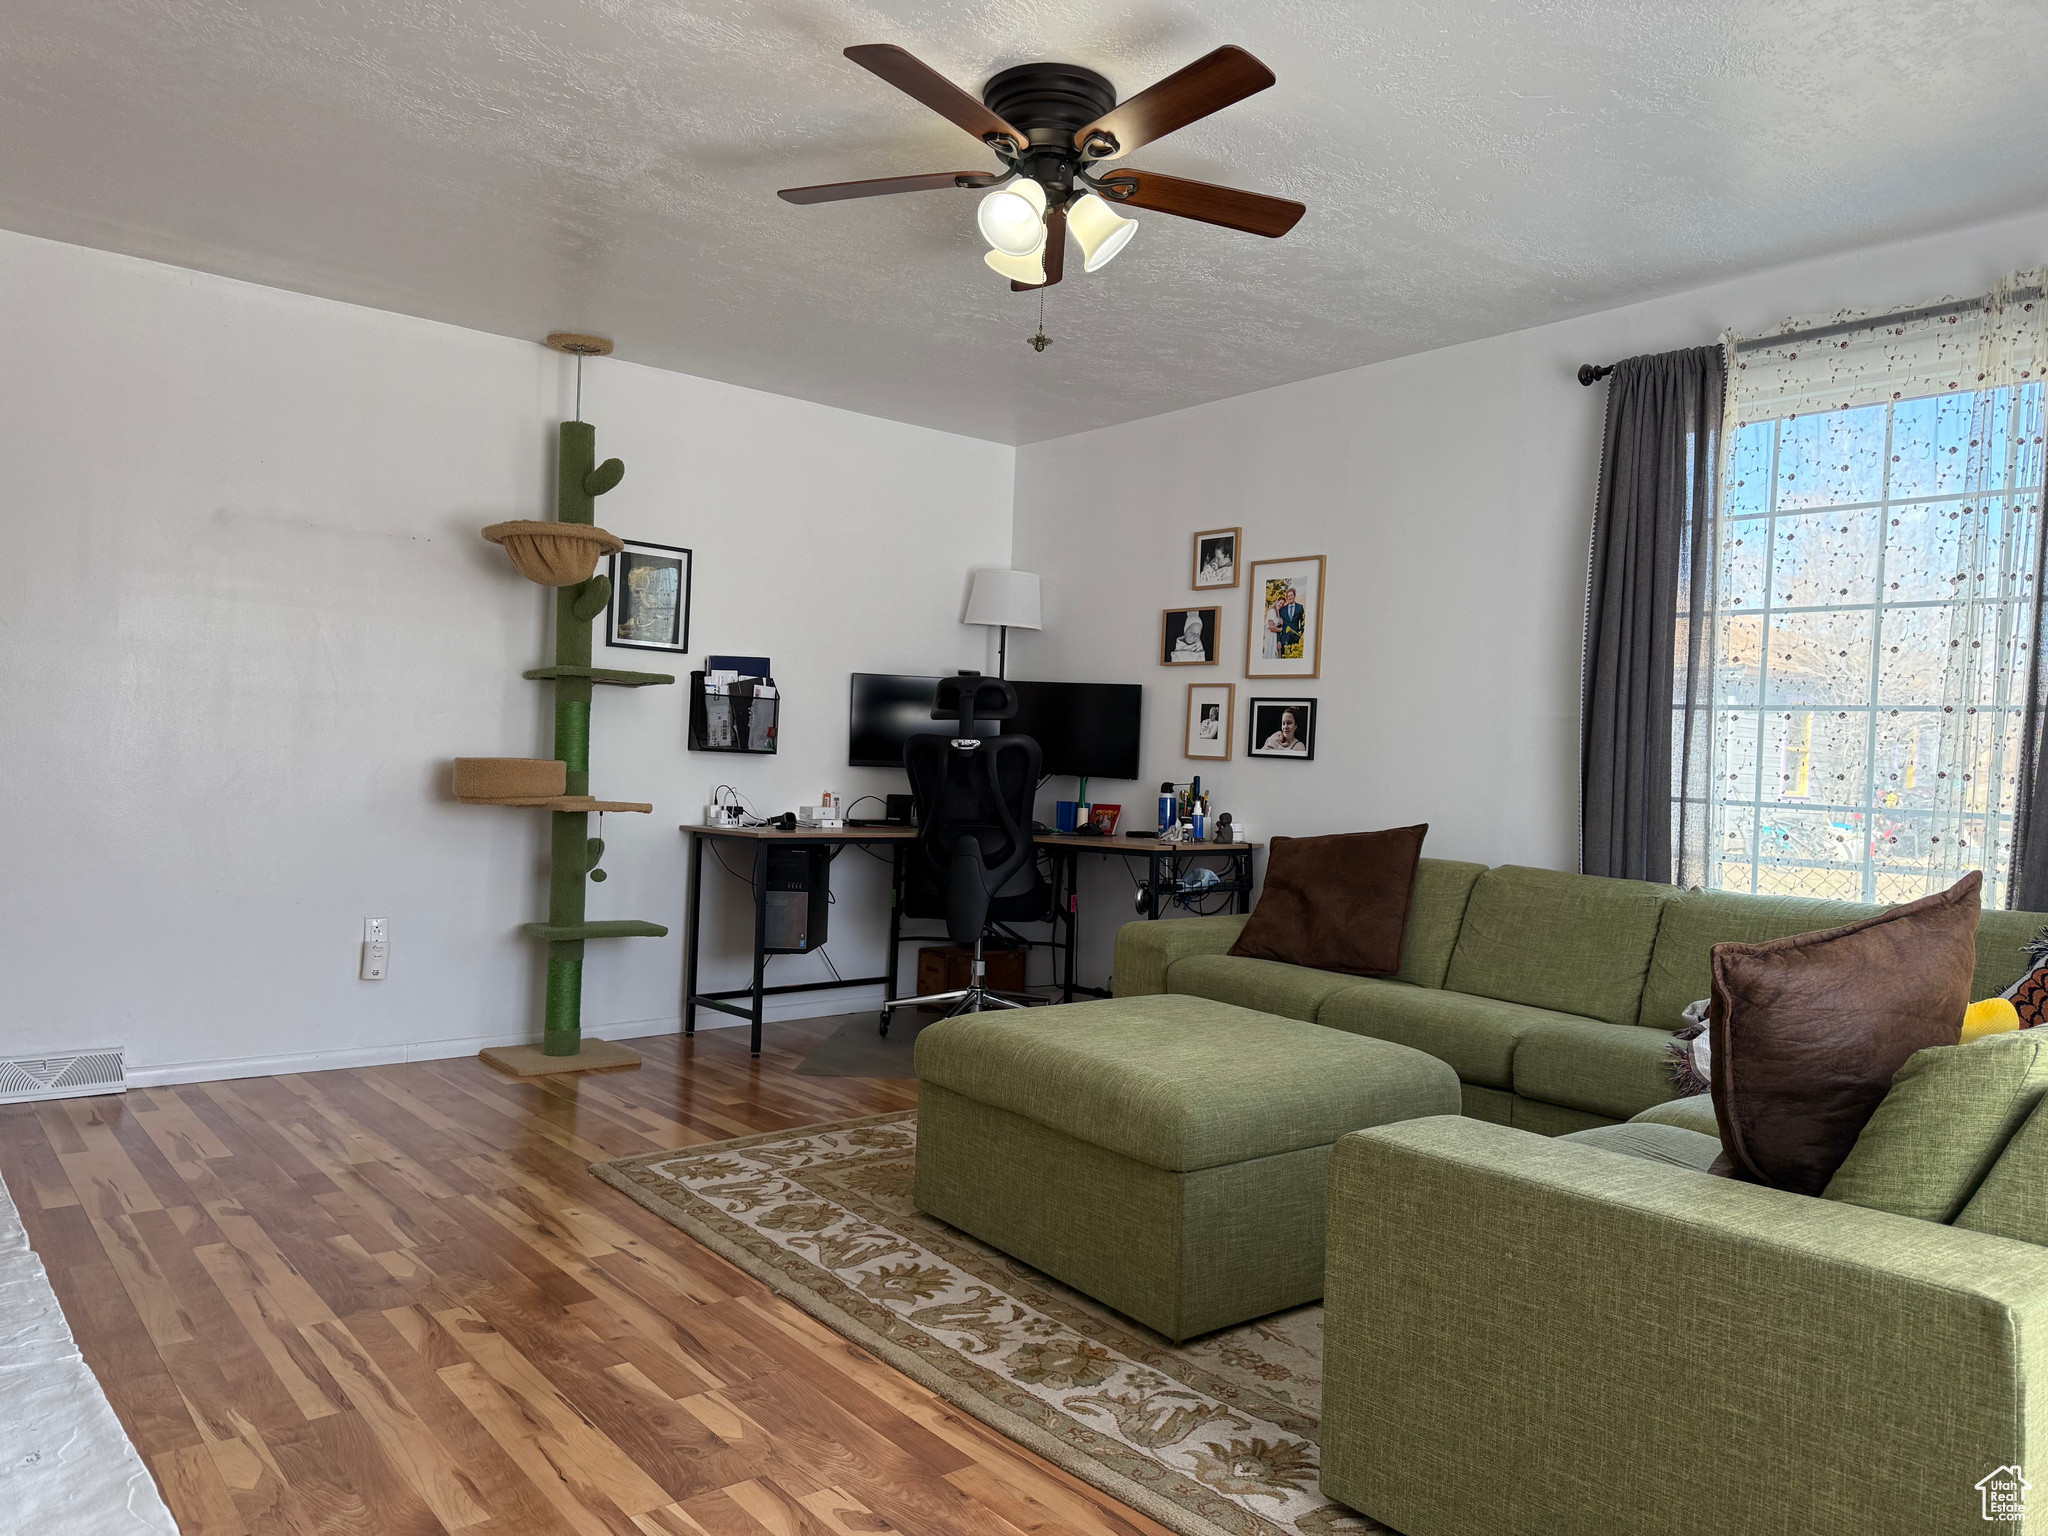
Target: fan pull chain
1041,341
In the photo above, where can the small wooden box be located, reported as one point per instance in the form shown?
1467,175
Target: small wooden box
945,968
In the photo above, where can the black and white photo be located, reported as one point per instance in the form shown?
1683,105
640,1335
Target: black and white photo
1187,637
1216,558
1212,710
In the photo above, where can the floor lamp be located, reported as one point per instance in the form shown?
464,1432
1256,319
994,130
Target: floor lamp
1003,600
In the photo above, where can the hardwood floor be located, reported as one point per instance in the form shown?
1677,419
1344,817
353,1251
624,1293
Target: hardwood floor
391,1300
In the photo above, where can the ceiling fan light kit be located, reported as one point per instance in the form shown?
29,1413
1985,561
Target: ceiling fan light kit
1012,218
1054,127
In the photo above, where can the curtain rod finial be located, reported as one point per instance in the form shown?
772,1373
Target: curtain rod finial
1592,373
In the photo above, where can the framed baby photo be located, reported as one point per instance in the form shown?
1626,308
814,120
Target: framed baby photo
1284,631
1187,636
1216,558
1283,728
1212,720
650,601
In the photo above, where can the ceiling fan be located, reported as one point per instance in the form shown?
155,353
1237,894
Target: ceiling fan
1053,126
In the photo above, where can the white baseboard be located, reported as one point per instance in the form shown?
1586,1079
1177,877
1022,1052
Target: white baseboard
774,1010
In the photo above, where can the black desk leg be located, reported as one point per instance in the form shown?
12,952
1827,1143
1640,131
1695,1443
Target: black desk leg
760,935
690,932
889,987
1152,892
1072,863
1244,880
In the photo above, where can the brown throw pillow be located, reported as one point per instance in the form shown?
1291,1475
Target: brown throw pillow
1336,903
1808,1030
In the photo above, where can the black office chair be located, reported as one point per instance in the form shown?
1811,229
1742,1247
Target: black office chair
974,862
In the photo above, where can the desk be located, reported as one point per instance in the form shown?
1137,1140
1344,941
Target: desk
1066,850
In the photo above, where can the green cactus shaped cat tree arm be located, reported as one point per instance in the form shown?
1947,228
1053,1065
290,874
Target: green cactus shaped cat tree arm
563,554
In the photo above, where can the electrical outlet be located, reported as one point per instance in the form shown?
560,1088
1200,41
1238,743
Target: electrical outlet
374,931
376,960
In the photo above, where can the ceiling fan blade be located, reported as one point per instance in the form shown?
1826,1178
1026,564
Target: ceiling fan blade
917,79
1208,85
1253,212
838,191
1055,251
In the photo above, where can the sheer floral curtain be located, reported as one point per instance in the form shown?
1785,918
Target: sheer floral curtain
1879,561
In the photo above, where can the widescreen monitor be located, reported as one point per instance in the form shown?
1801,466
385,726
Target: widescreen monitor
1085,729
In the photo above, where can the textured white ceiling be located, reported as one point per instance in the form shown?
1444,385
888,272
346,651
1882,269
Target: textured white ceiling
1470,167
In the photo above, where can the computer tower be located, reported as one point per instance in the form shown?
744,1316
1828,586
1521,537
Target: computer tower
799,895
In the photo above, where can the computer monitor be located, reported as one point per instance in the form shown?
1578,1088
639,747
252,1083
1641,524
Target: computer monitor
1084,729
1089,730
886,710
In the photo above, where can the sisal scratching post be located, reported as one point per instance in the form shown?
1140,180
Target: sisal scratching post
563,555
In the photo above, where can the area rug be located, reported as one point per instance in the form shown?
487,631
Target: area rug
1216,1437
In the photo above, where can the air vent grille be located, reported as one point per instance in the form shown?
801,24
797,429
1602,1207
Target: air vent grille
72,1075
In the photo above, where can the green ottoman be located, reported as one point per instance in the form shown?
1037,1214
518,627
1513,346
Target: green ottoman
1162,1154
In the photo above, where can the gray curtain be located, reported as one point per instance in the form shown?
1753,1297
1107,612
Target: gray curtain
2027,891
1646,735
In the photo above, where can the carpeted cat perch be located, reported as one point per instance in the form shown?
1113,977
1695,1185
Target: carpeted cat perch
563,555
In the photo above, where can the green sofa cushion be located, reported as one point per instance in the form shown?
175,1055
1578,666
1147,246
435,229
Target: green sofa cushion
1181,1083
1436,911
1574,944
1476,1035
1672,1144
1609,1069
1698,920
1265,986
2002,939
1695,921
1949,1114
1694,1114
2011,1200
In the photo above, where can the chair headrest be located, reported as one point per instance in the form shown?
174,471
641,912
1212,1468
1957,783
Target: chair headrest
970,696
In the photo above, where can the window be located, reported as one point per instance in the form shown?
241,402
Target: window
1877,565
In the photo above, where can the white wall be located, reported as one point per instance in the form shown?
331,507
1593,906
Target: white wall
1452,492
249,620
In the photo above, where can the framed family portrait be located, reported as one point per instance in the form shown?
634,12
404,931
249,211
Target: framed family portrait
1188,636
650,601
1216,558
1212,720
1285,631
1283,728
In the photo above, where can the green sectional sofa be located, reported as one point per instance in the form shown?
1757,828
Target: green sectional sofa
1527,1336
1553,995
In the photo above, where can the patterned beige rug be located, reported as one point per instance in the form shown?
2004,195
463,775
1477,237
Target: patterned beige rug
1216,1437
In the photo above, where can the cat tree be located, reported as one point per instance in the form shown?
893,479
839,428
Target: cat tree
563,554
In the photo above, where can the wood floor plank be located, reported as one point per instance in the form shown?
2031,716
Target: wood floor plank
393,1300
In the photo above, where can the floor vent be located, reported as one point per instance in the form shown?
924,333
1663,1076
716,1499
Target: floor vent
71,1076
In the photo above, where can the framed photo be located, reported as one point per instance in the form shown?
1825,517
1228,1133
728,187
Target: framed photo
1216,558
1105,817
1187,636
1212,720
1283,728
1284,635
650,602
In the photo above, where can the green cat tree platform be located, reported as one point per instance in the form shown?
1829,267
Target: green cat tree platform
563,555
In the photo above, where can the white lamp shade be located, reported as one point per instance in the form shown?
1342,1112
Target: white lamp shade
1029,270
1100,229
1003,597
1012,218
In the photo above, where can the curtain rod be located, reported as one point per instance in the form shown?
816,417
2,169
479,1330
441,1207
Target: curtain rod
1592,373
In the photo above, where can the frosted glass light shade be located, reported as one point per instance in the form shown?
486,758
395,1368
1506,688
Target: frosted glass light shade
1100,229
1012,218
1029,270
1003,598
